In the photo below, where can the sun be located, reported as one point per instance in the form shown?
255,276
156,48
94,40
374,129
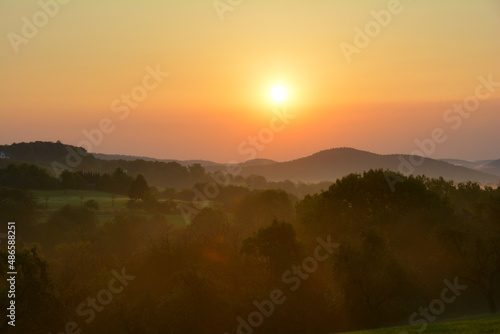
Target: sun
278,93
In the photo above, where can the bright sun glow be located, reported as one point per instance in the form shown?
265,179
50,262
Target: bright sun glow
278,93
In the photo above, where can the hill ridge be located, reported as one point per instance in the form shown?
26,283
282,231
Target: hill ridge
325,165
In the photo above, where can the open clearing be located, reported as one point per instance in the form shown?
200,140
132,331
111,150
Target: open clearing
109,205
470,325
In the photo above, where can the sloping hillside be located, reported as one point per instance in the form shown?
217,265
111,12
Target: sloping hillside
491,168
335,163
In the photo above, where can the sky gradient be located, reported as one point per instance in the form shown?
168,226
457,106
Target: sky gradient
72,74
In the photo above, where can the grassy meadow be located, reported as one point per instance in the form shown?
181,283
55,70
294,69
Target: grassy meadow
109,204
470,325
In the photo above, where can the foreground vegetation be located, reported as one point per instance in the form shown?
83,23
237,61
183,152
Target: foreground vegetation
371,251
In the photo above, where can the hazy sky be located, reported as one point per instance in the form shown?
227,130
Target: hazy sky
71,70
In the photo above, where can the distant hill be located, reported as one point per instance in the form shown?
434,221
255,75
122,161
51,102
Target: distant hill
467,163
258,162
486,166
327,165
45,153
204,163
56,157
132,158
491,168
335,163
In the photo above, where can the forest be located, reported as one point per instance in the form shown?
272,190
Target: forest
359,254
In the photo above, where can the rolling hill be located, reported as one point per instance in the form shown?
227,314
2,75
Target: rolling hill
327,165
335,163
491,168
467,163
103,156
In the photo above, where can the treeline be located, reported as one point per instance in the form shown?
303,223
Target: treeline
26,176
361,254
29,176
56,158
37,178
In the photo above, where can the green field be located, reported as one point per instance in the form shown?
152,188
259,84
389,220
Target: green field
471,325
55,199
109,206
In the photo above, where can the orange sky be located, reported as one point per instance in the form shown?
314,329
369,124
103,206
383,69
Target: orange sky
64,78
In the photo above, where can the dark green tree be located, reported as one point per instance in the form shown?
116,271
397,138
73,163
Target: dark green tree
197,172
72,223
275,245
377,290
27,177
260,208
119,182
70,180
208,225
38,308
474,247
139,189
20,206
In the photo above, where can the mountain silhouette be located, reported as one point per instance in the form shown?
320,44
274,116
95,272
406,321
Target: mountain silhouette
491,168
329,165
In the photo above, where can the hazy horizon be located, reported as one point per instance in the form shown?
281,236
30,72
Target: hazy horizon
292,158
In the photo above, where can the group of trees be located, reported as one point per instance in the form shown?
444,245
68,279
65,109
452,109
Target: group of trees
44,165
396,247
57,157
27,177
33,177
410,237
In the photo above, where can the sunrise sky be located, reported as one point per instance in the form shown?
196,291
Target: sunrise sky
66,77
